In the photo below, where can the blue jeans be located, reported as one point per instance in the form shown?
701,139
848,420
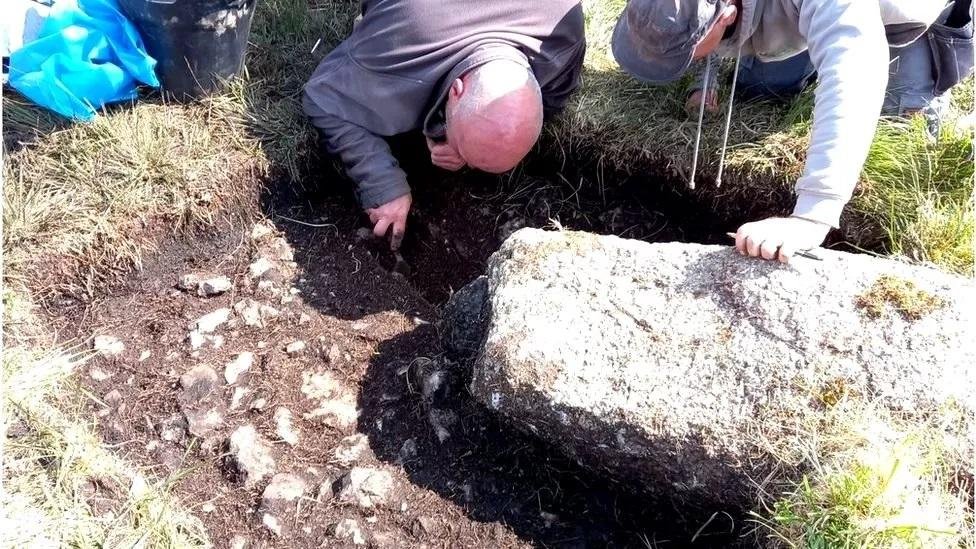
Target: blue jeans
911,81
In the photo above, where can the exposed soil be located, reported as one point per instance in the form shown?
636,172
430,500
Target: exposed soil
462,478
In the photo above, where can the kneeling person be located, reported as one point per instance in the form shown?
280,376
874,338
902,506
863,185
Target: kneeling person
848,45
475,76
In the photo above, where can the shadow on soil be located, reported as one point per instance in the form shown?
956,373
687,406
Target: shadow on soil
445,441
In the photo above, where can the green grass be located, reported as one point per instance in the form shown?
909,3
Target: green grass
874,479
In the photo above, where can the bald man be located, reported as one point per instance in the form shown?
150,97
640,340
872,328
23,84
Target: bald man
476,76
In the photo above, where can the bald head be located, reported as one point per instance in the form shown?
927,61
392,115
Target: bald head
494,115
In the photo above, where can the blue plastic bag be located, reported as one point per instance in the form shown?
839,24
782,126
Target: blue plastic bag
87,55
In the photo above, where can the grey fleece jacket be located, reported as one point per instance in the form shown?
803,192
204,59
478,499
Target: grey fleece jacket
848,44
392,74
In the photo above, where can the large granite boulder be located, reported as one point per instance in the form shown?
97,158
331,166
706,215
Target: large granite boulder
663,364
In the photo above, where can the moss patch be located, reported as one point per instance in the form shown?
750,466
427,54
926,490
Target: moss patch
901,295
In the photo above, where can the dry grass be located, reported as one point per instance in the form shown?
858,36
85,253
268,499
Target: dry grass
54,464
82,201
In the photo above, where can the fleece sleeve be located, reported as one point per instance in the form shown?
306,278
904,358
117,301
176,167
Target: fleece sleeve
847,46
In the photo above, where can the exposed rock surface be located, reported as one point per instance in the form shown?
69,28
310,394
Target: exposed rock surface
366,487
349,530
656,362
107,345
241,363
200,401
251,454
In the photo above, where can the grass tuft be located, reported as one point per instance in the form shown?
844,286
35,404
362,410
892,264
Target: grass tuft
874,479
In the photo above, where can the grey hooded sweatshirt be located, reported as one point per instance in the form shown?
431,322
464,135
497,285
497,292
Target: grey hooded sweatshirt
392,74
848,44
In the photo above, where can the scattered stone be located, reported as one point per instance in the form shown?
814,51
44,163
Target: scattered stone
408,451
139,487
217,341
198,403
364,233
267,287
208,507
349,530
203,422
336,403
366,487
262,344
144,355
334,354
260,267
283,426
295,348
351,449
241,363
432,383
237,397
261,230
679,351
272,523
198,383
441,420
211,321
255,314
196,339
284,250
304,319
107,345
188,282
173,429
99,375
214,286
251,454
284,487
113,398
424,526
337,414
238,542
259,404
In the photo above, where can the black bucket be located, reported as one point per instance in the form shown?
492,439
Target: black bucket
198,44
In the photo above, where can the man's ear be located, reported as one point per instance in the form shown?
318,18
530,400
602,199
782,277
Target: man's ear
457,88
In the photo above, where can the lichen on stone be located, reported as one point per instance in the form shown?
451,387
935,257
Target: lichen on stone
902,295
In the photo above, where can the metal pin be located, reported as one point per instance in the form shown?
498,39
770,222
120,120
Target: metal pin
728,118
701,118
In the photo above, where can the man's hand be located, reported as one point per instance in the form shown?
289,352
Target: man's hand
695,99
444,156
779,237
392,214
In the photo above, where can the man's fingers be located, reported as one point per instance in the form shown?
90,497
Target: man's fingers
399,228
769,248
740,241
379,230
786,252
752,245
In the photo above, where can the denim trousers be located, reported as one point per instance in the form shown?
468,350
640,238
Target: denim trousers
911,80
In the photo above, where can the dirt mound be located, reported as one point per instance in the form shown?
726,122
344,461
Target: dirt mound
311,403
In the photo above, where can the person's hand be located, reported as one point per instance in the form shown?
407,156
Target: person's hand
444,156
779,237
695,99
393,215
